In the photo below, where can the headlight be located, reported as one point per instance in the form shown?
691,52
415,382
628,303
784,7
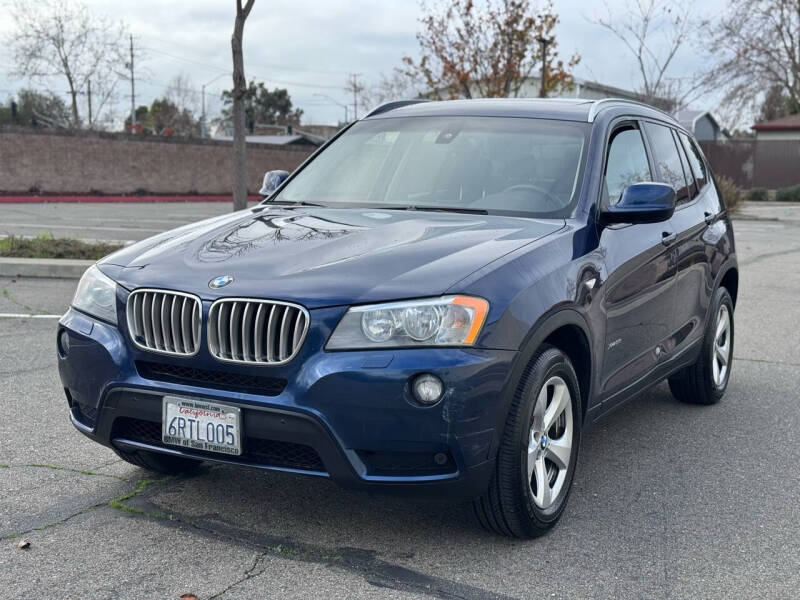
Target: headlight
97,295
447,321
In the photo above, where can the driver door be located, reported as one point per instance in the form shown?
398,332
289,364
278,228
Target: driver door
639,298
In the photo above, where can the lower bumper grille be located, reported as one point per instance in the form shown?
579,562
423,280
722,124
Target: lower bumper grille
253,384
407,463
256,450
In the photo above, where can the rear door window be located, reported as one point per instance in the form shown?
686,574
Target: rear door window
668,161
626,163
685,164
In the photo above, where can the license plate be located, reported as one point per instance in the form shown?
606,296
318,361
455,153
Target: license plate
200,425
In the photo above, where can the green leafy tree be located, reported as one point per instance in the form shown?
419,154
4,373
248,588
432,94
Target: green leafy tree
32,108
163,117
262,106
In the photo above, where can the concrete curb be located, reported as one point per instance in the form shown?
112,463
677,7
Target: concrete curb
64,268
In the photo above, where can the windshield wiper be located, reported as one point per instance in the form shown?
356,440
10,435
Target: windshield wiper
455,209
300,203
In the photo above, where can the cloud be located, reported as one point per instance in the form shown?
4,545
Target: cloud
309,46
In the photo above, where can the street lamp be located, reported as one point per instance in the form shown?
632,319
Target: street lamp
344,106
203,100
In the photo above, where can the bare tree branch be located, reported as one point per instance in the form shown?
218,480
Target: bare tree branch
53,39
654,31
485,49
756,45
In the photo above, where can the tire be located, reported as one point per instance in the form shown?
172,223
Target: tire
159,463
514,504
705,381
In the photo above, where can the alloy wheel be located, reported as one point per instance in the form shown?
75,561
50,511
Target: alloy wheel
550,442
722,347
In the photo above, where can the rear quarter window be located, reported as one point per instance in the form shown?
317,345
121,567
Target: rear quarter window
668,161
695,160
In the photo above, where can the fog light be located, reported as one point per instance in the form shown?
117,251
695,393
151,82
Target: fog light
428,389
63,343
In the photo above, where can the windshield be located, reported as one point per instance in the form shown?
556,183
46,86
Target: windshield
496,164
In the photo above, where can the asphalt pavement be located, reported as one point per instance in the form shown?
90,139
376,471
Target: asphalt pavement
103,221
670,500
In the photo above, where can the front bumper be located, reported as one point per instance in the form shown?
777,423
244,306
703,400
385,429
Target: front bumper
344,415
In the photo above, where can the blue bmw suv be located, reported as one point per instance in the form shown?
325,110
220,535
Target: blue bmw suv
439,301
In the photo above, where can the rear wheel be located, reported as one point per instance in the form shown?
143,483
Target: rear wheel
165,464
705,381
537,456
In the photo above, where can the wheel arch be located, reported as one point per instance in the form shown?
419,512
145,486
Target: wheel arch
572,340
567,330
730,281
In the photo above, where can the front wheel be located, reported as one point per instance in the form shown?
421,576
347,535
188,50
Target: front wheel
538,452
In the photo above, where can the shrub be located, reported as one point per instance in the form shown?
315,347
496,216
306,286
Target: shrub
789,194
758,195
732,194
46,246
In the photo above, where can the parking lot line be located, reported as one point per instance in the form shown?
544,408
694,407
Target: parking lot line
84,227
27,316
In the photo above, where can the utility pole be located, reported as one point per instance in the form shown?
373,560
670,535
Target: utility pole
89,99
133,92
544,43
356,87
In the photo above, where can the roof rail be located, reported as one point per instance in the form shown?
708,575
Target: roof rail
597,107
387,106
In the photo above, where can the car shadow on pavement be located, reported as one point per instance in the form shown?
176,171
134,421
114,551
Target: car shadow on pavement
315,510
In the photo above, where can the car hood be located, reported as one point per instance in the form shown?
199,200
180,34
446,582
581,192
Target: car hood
323,256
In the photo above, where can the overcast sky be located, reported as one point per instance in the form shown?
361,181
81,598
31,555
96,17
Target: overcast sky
309,46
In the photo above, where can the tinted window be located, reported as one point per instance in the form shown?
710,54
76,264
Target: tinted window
695,160
685,164
496,164
627,163
667,159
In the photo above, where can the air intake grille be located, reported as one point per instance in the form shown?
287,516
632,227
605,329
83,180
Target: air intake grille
263,332
165,322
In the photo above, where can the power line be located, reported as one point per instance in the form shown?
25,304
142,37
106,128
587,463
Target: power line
282,66
257,76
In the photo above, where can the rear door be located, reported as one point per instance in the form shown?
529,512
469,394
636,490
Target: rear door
690,222
639,298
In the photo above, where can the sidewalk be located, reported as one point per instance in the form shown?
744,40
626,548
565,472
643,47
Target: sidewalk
32,199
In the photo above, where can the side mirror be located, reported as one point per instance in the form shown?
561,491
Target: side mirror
642,203
272,181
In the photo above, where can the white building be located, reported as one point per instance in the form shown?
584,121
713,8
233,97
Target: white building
785,128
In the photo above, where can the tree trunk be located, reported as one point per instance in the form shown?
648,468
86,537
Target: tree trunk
239,89
75,119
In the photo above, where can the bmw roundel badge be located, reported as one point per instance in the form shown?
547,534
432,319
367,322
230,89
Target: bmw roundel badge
220,282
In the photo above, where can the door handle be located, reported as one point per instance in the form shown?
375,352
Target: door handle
709,217
668,237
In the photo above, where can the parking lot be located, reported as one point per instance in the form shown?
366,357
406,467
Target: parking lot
103,221
669,501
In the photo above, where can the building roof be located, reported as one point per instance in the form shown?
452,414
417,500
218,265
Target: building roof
788,123
277,140
688,118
